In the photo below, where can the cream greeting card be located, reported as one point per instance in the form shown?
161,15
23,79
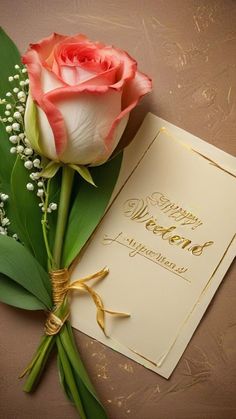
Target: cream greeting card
168,239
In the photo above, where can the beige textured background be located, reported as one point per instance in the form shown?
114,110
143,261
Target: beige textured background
189,49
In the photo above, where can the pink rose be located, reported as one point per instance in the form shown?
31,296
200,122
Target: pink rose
84,92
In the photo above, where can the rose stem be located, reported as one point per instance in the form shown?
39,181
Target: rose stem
66,187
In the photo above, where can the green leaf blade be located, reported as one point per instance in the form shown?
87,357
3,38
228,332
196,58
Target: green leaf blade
13,178
15,295
9,57
89,207
26,213
17,263
91,404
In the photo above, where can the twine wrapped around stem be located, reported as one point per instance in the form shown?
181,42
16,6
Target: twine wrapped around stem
61,286
60,280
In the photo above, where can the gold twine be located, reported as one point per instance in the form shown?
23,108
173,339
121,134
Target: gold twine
61,286
60,280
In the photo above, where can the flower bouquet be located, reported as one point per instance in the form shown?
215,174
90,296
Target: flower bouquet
63,112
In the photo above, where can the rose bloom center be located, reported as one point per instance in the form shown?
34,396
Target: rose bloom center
87,58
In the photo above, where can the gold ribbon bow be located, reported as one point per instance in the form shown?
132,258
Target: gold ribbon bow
61,286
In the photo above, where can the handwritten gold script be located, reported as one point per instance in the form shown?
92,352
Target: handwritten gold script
138,248
173,210
137,210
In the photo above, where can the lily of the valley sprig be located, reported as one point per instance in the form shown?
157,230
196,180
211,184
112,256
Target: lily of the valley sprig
13,109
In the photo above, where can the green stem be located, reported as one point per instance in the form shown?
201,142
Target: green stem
66,187
43,352
68,342
45,226
39,364
70,381
39,360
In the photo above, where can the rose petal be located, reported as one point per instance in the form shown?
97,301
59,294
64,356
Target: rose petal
88,118
47,141
133,92
49,81
45,47
55,119
74,75
117,134
127,68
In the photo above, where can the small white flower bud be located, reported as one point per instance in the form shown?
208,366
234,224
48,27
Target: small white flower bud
53,206
21,109
17,115
40,184
15,90
22,83
40,192
28,151
9,128
15,236
20,149
28,164
8,106
8,94
4,197
36,163
7,113
13,139
5,221
16,76
30,186
24,70
13,150
16,126
10,119
21,94
34,176
10,78
22,136
17,66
